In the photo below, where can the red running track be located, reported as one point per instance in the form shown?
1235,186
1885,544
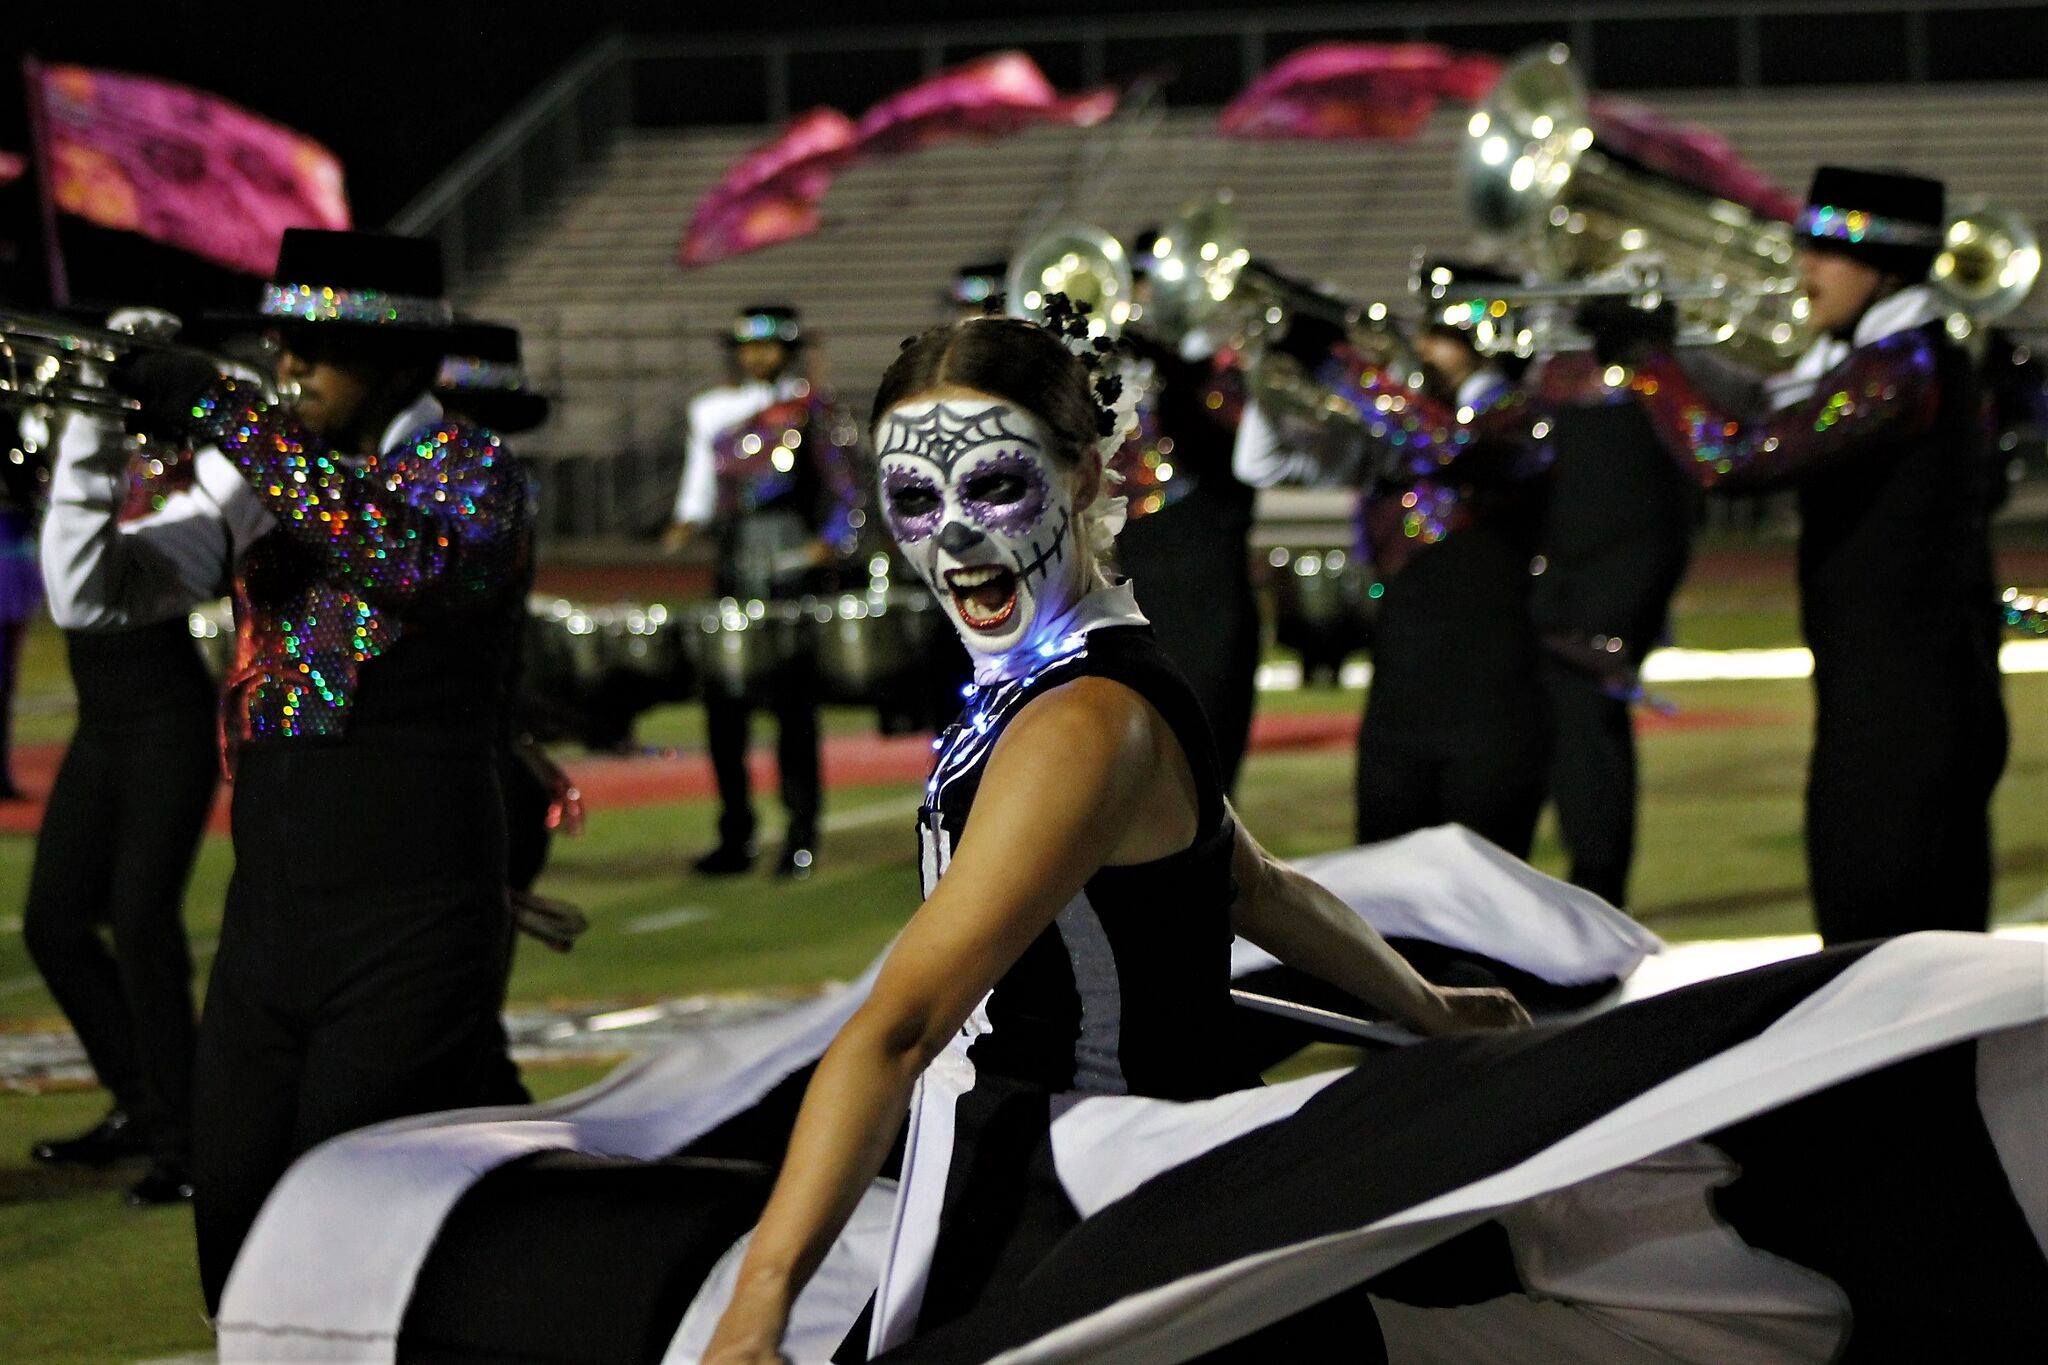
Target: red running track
611,782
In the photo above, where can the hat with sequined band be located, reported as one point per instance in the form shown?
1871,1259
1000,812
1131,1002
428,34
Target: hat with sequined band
766,322
481,377
1885,219
979,285
360,283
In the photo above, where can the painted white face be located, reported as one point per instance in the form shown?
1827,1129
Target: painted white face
983,512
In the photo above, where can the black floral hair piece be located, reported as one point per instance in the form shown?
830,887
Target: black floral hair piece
1067,319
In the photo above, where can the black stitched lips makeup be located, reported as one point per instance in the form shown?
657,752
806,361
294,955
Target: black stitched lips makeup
971,493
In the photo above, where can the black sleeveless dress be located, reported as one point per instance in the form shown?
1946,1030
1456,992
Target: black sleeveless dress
1126,993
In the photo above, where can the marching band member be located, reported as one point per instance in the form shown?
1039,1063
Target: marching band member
362,952
977,289
1877,429
1454,723
131,543
1187,541
781,513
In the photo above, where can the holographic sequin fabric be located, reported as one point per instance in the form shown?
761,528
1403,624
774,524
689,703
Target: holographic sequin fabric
321,303
800,443
1887,392
1425,489
441,521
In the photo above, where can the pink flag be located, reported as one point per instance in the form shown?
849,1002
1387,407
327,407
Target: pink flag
181,166
1356,90
12,165
771,194
990,96
1689,153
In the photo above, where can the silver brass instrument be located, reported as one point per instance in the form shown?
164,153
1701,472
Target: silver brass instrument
48,363
1081,261
1990,262
1534,173
1207,279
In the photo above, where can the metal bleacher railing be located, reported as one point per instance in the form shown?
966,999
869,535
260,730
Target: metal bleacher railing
563,219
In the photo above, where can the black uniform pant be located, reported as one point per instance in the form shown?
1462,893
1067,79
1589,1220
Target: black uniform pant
1409,782
114,854
1592,778
361,967
1898,797
792,696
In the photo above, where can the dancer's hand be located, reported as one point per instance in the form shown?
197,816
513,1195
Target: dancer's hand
750,1332
1473,1009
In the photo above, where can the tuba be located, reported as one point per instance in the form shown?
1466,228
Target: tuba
1534,173
50,363
1989,263
1081,261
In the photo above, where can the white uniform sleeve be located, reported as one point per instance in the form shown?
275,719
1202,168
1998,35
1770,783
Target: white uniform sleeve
100,575
1263,459
697,496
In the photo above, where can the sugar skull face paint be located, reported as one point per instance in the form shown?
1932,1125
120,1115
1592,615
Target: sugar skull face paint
984,514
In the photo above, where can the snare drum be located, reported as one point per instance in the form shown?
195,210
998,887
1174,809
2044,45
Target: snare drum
739,649
871,645
1324,607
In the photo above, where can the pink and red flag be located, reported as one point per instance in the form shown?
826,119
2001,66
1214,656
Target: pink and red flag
180,166
1688,153
1356,90
12,166
772,194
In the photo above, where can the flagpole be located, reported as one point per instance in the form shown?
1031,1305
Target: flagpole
39,151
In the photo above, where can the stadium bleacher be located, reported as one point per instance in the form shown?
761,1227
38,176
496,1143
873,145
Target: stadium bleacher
623,335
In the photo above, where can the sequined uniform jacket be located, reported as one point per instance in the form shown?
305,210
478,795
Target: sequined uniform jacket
388,596
1895,495
800,457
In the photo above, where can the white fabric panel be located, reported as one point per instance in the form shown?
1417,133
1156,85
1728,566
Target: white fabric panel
1447,885
1149,1136
927,1158
1907,997
825,1312
366,1207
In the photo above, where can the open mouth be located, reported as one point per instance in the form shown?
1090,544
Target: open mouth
986,596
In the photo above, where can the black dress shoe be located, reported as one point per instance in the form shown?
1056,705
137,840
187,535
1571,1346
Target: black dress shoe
797,860
162,1183
727,860
114,1138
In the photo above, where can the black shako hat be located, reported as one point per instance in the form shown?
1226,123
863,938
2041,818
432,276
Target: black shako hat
766,322
1885,219
371,283
979,285
481,376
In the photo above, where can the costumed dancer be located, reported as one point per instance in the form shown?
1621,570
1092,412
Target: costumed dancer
1454,721
783,514
361,966
136,536
1078,793
1190,520
1878,429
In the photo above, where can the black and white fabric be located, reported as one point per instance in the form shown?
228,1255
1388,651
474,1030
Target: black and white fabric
1842,1148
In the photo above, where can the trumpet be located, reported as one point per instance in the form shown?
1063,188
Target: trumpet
50,363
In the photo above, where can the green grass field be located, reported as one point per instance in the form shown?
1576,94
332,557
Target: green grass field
84,1279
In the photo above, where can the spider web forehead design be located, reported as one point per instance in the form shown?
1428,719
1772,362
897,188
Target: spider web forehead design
946,435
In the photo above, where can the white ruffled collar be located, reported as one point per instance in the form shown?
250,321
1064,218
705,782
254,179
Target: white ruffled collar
1914,306
1110,604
